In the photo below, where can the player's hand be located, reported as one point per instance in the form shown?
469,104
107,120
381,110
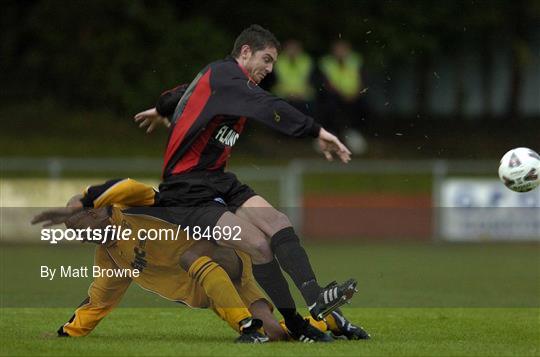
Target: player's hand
55,216
330,144
151,119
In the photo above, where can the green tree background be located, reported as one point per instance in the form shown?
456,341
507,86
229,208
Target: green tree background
117,56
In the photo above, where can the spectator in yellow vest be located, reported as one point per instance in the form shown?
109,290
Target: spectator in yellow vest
293,77
342,104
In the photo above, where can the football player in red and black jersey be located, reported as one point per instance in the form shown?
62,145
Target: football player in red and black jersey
206,118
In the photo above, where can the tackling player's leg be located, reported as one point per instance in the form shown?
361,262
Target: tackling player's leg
268,274
293,258
261,310
219,288
103,295
343,329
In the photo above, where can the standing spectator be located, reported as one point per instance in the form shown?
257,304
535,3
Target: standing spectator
293,77
342,106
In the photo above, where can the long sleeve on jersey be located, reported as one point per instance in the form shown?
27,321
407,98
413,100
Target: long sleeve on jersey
235,95
168,100
123,192
219,100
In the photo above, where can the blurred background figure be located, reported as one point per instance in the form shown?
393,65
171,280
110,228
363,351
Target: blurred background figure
294,77
341,103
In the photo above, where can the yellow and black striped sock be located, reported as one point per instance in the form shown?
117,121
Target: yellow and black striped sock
221,291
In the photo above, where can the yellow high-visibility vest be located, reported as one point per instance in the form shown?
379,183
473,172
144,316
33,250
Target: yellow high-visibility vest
344,78
292,77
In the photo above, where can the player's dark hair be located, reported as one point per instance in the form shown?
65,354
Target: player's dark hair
257,38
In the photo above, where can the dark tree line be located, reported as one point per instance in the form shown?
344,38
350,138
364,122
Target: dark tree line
118,55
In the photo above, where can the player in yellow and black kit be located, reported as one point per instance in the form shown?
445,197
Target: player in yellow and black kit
127,203
205,284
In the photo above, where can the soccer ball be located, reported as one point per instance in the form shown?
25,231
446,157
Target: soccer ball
520,169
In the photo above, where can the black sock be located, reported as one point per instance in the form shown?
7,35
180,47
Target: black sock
271,279
293,259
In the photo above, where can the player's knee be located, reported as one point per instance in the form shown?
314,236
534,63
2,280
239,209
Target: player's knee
187,259
275,221
280,221
229,261
199,249
261,251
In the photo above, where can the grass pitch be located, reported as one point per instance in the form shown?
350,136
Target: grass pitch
415,299
165,331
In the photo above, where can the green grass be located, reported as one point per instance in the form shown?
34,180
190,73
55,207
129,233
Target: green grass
395,331
415,299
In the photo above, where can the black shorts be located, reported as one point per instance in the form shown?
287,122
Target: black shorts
201,198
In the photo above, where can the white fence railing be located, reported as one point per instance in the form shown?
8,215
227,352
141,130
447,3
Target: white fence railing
289,178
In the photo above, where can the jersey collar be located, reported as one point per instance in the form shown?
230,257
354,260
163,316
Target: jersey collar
244,70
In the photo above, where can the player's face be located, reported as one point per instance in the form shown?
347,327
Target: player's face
260,63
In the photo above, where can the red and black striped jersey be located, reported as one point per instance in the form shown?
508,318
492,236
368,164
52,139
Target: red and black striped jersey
210,114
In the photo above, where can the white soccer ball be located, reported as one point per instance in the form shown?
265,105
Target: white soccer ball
520,170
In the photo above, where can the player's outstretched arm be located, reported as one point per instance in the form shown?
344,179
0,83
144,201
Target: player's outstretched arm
59,215
330,144
55,216
161,114
152,119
